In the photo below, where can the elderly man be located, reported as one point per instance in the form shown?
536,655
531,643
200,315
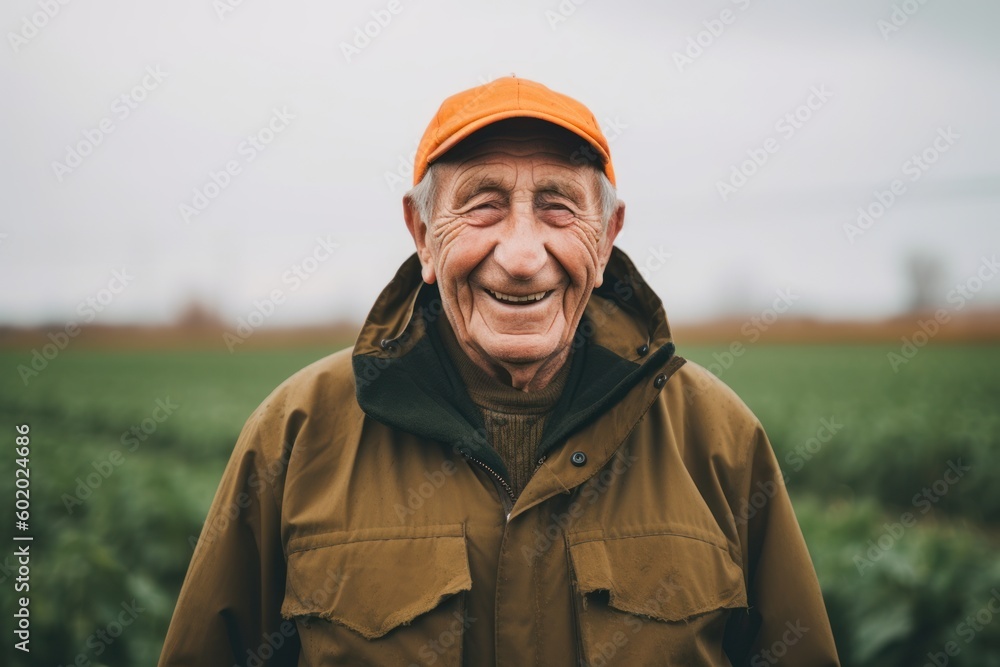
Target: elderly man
512,466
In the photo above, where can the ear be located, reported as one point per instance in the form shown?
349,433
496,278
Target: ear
604,246
418,230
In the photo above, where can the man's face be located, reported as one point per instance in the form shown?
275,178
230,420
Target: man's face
516,245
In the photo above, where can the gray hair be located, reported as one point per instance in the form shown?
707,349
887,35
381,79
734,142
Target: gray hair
424,195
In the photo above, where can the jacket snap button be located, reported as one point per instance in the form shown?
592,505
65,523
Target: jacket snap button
660,380
642,350
578,459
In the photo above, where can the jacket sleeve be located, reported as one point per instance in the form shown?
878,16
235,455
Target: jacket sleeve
787,622
228,612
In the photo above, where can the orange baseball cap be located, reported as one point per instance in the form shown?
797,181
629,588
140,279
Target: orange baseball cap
508,97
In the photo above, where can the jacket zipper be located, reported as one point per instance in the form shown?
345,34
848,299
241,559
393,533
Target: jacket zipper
503,488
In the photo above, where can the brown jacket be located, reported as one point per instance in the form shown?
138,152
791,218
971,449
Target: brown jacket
363,519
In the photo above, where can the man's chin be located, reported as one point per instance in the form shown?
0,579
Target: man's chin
520,349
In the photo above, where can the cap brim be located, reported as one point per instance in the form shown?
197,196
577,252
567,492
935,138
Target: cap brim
479,124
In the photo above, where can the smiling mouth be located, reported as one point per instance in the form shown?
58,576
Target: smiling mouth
518,300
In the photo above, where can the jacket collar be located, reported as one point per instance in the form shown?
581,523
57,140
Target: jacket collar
404,377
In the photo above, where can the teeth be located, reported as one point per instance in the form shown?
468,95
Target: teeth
510,298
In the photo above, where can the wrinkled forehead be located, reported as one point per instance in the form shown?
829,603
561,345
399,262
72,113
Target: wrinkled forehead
523,137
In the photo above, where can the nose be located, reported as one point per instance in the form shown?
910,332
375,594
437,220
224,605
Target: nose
521,250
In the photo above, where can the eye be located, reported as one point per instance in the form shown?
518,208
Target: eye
484,213
484,203
554,202
557,209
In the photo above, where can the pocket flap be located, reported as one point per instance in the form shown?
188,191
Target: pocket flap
373,581
665,576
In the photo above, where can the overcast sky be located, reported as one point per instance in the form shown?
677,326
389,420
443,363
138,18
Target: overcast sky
116,114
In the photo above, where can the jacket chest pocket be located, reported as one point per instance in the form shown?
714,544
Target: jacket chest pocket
653,599
379,596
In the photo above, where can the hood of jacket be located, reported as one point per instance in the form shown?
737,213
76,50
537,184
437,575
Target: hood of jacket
406,380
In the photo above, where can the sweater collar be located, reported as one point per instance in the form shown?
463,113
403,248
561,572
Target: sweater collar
488,392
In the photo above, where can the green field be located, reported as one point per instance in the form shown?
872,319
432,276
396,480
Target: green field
862,447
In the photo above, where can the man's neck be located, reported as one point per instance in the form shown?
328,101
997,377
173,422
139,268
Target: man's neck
529,377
